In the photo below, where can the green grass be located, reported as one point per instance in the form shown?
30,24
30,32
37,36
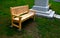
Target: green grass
55,6
47,28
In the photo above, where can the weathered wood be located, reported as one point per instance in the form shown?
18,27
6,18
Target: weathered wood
19,10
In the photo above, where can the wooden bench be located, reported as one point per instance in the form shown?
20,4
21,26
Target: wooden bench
20,14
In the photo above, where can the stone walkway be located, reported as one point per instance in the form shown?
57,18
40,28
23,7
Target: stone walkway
57,16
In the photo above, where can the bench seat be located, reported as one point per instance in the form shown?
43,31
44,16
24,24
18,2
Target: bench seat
24,17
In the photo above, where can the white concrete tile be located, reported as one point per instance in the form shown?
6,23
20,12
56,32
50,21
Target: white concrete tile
57,16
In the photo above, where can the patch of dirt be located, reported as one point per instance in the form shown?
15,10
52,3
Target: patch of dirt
30,28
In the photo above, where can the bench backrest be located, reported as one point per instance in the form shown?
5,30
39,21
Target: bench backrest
19,10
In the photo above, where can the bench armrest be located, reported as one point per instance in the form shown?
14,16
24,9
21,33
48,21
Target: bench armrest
16,16
32,10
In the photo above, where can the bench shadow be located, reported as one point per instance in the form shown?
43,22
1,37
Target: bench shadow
14,30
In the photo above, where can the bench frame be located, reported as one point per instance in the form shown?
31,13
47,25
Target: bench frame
20,22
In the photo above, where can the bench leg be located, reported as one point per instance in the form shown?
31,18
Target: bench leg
34,18
20,26
11,24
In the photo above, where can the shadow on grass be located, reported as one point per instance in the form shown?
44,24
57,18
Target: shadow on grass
7,30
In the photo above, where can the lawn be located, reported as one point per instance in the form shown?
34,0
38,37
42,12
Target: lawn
41,28
55,6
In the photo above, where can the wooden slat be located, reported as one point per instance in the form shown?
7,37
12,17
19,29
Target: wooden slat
15,25
19,10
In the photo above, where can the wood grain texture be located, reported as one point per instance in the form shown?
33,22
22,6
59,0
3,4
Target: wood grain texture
17,11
